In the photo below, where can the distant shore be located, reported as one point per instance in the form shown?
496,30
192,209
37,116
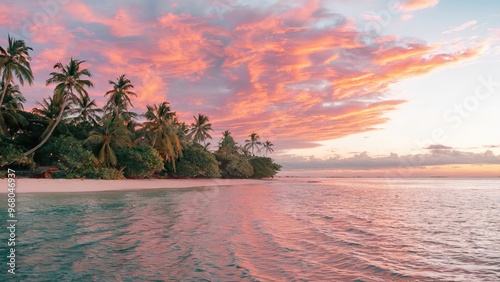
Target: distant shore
31,185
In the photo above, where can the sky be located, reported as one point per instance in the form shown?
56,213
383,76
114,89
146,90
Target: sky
404,88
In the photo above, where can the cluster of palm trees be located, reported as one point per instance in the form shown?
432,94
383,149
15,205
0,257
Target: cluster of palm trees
255,143
109,127
14,65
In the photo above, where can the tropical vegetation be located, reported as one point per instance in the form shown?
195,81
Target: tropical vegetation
69,132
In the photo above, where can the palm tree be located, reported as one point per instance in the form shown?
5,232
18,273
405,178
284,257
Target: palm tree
226,137
243,150
50,109
182,132
68,79
162,131
15,62
13,96
200,128
227,142
10,118
87,110
111,133
119,98
253,142
207,145
267,145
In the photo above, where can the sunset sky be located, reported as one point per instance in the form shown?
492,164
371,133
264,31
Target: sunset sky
371,88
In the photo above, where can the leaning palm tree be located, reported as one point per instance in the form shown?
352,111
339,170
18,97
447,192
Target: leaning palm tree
200,128
68,79
268,147
10,118
111,134
50,109
119,98
253,142
15,62
162,132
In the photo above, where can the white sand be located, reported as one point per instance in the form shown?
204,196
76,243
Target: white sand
30,185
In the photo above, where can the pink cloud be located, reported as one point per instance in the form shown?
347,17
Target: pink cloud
414,5
273,72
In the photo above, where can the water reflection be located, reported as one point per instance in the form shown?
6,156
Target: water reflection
328,229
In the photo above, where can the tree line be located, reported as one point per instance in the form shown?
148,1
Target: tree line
69,131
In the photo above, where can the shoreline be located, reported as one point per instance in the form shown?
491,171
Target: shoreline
33,185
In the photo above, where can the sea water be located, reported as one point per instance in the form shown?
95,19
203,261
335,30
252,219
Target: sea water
280,230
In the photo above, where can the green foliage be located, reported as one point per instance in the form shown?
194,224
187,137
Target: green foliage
232,163
11,121
74,161
119,99
10,152
139,161
111,135
224,158
161,130
264,167
200,128
106,173
239,168
227,145
50,152
197,162
67,80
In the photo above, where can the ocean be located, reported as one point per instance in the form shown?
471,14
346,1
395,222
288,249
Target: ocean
287,229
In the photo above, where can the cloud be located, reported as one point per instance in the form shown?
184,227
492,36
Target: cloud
461,27
363,161
492,146
438,147
415,5
272,68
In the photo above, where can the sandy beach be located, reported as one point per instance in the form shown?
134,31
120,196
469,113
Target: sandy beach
30,185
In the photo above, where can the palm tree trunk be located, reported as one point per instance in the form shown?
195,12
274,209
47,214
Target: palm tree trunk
4,91
154,139
58,119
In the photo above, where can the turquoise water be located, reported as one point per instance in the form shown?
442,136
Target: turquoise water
283,230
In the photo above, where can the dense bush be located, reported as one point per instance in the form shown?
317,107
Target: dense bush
74,161
139,161
232,164
9,153
264,167
51,151
239,167
197,162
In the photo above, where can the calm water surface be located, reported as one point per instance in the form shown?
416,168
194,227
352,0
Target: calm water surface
283,230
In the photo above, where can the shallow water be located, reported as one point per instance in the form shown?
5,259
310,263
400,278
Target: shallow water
283,230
